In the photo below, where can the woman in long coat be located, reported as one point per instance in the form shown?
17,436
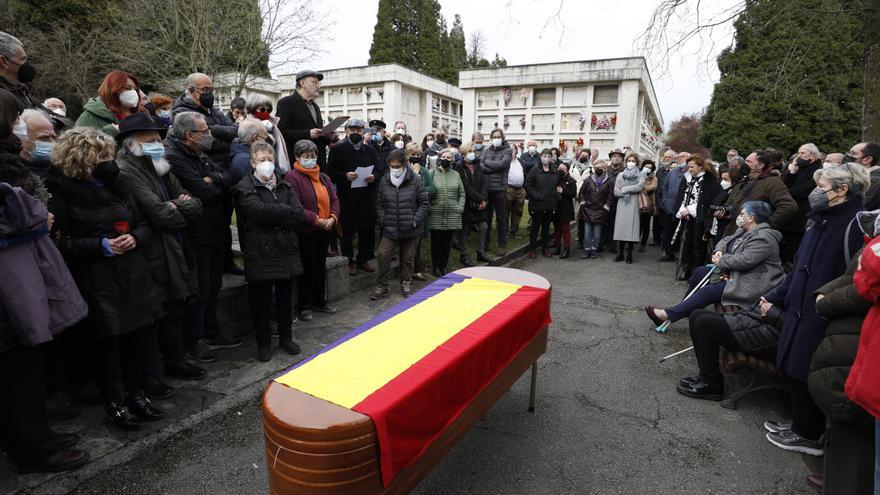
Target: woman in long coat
831,240
627,187
595,197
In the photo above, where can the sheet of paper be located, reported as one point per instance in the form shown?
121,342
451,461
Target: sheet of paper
363,173
330,129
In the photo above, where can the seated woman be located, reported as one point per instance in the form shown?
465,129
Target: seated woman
748,262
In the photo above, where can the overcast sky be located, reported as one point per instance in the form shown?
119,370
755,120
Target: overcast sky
537,31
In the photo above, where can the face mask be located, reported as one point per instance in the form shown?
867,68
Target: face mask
584,159
262,115
399,144
397,172
741,221
444,163
161,166
600,172
496,142
471,156
207,100
630,164
415,159
429,142
165,114
847,158
801,162
401,131
829,165
106,172
818,199
129,98
20,130
546,160
441,140
648,170
26,73
59,111
616,161
725,184
265,170
207,141
308,162
154,150
42,149
533,149
478,146
355,138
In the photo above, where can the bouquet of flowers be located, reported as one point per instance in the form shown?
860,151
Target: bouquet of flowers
580,141
582,119
506,122
524,94
506,94
562,145
522,121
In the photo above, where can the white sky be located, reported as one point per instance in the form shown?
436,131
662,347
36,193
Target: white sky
538,31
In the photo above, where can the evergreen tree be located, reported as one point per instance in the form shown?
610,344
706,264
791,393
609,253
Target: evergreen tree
457,45
791,77
430,42
396,33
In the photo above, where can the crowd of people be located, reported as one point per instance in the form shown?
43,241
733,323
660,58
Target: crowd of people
115,236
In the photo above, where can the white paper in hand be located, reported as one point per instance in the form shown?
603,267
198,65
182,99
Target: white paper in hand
363,173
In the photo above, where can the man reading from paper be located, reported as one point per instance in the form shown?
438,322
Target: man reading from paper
357,205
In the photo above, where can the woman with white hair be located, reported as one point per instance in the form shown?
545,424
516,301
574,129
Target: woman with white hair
259,107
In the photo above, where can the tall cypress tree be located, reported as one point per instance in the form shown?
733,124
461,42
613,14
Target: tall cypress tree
430,42
396,33
457,45
792,77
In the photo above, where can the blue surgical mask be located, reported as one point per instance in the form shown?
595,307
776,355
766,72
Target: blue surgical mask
165,113
478,146
155,151
308,162
377,137
42,149
471,156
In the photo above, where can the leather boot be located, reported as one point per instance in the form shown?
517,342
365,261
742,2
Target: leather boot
140,406
121,417
619,251
629,252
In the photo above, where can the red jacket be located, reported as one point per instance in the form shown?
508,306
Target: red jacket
863,383
305,192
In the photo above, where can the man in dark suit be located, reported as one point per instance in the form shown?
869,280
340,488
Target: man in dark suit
300,117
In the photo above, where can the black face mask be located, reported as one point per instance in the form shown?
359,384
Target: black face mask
415,159
355,138
744,170
583,159
150,107
207,100
847,158
600,172
441,139
26,73
802,162
444,163
106,172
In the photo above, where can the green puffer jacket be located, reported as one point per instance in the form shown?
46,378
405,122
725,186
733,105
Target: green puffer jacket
447,203
97,115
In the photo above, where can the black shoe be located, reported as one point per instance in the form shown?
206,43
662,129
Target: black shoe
140,406
629,257
689,381
289,345
121,417
264,353
63,460
156,389
466,261
436,272
482,258
66,440
185,370
565,254
620,256
586,255
701,390
202,353
222,341
326,309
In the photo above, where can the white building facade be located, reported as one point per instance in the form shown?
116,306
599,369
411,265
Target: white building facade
603,104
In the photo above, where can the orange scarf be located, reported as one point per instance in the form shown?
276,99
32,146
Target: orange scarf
314,175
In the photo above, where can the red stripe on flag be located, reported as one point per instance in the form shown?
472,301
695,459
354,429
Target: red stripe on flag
411,410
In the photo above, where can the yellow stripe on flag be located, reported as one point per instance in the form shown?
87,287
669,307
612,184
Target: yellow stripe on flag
349,373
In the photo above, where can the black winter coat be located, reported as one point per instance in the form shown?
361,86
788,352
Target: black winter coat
191,168
476,190
224,130
356,206
565,209
800,185
383,149
295,123
709,188
402,211
269,220
845,311
118,289
541,189
596,200
756,335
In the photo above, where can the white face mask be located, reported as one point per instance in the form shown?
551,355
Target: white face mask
741,221
397,172
631,164
533,149
725,184
496,142
20,130
829,165
265,170
129,98
430,142
162,166
399,144
59,111
471,156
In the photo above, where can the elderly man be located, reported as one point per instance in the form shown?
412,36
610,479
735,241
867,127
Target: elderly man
39,142
662,220
495,163
530,157
56,106
833,160
249,131
868,155
477,138
357,203
299,117
669,205
380,142
762,185
799,180
400,128
16,72
731,154
169,209
187,146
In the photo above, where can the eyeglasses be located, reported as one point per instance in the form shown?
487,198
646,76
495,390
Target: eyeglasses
204,91
200,131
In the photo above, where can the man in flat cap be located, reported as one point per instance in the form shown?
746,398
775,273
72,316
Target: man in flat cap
616,156
380,142
357,205
300,116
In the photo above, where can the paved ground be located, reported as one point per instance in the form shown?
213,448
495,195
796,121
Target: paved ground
608,420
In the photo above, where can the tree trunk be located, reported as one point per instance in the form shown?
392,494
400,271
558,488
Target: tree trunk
871,104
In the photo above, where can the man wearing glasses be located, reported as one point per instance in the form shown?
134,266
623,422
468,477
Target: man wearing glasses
299,116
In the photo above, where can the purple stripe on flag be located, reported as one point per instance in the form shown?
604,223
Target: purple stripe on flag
419,297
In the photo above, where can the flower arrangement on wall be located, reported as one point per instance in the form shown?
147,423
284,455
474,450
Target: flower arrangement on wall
506,94
506,122
524,94
522,122
580,142
603,121
582,120
562,145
